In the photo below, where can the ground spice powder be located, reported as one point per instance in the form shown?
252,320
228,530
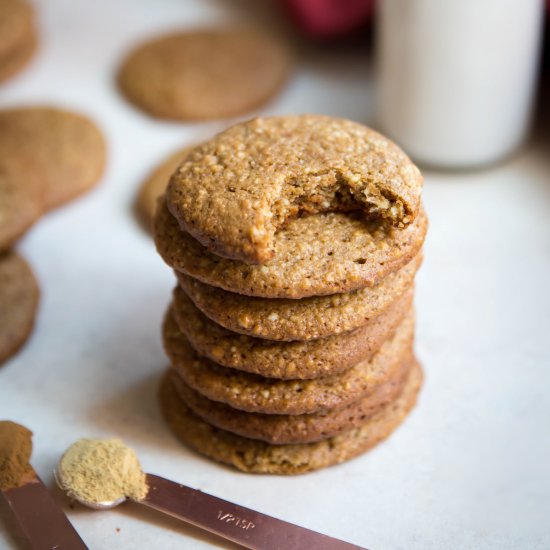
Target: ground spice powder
97,471
15,454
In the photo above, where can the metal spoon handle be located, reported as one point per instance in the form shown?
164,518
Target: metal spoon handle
43,522
233,522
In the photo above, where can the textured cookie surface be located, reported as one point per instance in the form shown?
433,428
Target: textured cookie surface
314,255
205,74
302,428
234,192
287,319
287,360
19,297
155,186
253,393
66,150
250,455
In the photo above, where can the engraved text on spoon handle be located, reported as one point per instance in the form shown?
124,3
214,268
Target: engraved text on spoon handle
233,522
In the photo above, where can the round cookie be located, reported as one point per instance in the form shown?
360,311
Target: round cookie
234,192
255,456
155,186
306,319
285,429
17,36
205,74
286,360
20,201
19,295
65,149
315,255
253,393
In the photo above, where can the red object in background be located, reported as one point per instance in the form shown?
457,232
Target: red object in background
329,18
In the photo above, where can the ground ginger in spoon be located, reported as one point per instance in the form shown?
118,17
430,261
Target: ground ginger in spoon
102,474
101,471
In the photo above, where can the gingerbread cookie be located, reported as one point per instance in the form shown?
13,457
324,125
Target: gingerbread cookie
19,295
66,150
315,255
205,74
47,156
155,186
236,191
18,59
17,36
20,200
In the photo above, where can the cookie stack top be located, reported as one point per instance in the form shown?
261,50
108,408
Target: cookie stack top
236,191
292,207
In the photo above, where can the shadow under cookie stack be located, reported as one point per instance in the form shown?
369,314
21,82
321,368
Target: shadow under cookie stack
295,242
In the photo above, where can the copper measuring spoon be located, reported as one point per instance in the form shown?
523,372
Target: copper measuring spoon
236,523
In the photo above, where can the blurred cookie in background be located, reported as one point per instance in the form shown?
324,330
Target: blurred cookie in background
205,74
48,156
19,296
20,200
65,148
155,186
18,38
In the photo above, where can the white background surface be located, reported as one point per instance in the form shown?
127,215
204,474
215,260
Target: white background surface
468,469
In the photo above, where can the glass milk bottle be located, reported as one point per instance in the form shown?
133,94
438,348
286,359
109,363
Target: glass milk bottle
456,77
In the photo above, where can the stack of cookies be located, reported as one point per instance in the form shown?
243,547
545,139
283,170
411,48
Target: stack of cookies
295,242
